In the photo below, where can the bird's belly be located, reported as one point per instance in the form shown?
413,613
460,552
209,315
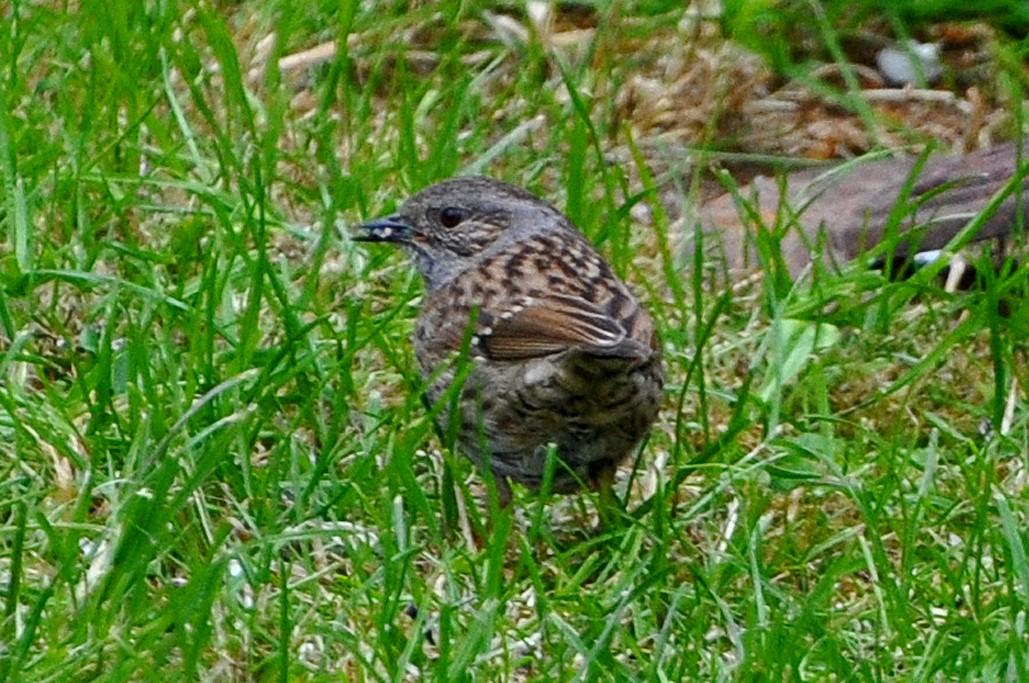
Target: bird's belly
511,413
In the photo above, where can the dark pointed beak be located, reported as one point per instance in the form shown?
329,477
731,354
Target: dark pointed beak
388,229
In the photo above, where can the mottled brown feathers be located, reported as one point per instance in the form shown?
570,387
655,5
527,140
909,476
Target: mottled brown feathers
564,353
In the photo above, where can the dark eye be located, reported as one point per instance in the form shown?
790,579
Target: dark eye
451,216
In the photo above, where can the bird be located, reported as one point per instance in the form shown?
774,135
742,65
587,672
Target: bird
841,213
561,356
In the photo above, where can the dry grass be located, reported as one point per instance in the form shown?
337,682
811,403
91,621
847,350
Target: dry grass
215,461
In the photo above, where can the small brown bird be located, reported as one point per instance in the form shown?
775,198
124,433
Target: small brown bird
563,354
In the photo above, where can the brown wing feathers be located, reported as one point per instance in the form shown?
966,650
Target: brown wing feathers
542,326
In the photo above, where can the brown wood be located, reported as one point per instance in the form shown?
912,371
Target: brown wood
842,212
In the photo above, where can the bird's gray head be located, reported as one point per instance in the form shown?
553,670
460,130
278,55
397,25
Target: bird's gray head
448,226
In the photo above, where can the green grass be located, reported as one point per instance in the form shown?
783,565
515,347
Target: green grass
214,462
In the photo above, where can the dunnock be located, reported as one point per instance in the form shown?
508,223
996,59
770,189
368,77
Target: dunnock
563,355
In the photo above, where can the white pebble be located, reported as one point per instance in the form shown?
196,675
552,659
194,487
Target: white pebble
920,62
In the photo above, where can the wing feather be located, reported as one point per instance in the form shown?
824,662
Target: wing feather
556,323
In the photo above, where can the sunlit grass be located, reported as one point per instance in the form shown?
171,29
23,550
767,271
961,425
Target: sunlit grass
215,462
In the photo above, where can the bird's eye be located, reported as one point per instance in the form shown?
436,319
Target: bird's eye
451,216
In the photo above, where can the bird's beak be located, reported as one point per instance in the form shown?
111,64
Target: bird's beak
389,229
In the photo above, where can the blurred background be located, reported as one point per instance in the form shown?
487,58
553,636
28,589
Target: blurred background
214,462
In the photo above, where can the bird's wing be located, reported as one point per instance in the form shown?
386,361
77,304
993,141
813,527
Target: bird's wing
541,326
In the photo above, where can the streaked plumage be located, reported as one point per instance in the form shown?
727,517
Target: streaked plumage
563,352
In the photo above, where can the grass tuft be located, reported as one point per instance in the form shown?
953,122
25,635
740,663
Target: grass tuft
214,460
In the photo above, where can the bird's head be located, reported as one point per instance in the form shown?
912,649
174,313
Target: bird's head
448,226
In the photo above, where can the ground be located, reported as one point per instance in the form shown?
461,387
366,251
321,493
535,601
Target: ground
215,460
